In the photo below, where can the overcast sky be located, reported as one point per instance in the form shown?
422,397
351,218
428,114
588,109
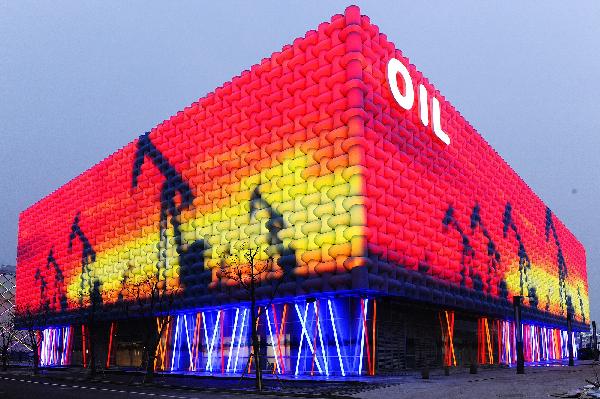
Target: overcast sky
78,80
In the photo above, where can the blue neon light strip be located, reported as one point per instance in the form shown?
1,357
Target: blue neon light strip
239,341
335,335
273,345
187,337
54,348
305,333
175,343
212,342
237,313
323,352
363,335
301,337
207,342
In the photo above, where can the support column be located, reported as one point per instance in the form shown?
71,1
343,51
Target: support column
570,337
517,301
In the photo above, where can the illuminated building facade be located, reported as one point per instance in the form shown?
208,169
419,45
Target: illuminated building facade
396,236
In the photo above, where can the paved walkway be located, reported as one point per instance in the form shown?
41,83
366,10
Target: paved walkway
537,382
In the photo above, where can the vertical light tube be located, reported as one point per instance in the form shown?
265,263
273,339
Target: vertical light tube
337,343
43,350
364,312
212,342
175,342
237,312
196,343
206,338
279,330
44,347
301,335
67,345
110,339
237,353
323,352
305,332
273,345
187,336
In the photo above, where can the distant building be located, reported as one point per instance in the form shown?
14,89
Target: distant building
7,292
7,306
398,236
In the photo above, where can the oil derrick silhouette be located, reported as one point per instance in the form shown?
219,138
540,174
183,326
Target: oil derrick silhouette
565,299
191,257
44,301
467,250
492,250
524,261
88,255
581,304
59,281
275,223
547,307
95,297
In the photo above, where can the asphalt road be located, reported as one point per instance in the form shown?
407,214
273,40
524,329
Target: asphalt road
19,387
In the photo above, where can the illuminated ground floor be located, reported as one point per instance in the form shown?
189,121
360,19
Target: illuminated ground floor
324,336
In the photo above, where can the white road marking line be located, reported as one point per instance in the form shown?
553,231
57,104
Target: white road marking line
94,388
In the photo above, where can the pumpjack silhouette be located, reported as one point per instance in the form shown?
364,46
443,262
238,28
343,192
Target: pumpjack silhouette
275,223
191,257
524,261
581,304
44,302
88,256
59,280
560,261
467,250
492,250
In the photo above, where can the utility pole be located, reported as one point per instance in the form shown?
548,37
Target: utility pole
517,301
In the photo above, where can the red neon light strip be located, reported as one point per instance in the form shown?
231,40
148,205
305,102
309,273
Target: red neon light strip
278,333
222,342
489,342
479,340
282,332
84,355
110,341
158,354
167,343
196,341
374,334
450,323
39,347
362,308
312,369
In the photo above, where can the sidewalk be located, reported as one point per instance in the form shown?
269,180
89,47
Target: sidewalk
537,382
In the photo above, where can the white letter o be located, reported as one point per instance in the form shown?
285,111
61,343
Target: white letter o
394,68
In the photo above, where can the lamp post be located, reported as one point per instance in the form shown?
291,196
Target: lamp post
517,301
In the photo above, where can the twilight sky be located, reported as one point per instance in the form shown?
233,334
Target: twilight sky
78,80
